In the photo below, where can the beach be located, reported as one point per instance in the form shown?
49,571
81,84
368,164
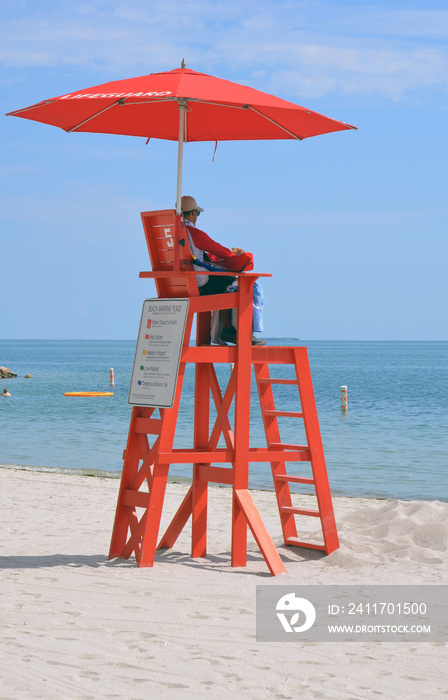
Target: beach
76,625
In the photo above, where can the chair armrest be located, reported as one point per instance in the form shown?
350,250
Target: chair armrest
190,273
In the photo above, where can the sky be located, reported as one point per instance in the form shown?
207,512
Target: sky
352,225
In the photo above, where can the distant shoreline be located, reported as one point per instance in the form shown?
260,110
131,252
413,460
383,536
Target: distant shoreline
268,337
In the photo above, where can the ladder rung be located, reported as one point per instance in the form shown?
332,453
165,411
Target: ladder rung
285,414
271,380
293,479
136,498
294,541
299,511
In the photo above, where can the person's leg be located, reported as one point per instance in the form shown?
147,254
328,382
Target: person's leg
226,317
218,285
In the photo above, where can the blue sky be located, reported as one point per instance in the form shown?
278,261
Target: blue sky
352,225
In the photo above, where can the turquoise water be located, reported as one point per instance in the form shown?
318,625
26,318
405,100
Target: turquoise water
392,442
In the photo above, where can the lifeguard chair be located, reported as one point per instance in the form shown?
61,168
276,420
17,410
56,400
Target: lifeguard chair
149,450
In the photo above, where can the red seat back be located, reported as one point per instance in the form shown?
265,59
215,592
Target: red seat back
160,234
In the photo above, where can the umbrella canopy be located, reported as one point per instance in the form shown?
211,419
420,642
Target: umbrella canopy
180,105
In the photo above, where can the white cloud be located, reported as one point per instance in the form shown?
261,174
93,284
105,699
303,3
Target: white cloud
321,70
370,20
301,48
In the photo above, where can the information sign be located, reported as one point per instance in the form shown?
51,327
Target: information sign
158,351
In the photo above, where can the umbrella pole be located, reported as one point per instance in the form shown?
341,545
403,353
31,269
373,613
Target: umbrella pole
180,152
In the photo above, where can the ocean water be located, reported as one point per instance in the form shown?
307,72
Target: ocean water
391,443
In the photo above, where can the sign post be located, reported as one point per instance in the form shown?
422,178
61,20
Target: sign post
158,351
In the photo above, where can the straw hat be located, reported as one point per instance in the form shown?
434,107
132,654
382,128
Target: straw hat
189,204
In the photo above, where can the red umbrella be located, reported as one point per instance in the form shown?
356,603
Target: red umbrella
180,105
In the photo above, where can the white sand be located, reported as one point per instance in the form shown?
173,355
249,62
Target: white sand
74,625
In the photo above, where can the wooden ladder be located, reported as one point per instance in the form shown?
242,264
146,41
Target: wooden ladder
311,452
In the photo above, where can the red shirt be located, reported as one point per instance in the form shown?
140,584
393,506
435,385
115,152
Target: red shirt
218,253
204,242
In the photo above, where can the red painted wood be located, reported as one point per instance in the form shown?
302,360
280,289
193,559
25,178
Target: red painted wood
146,466
258,529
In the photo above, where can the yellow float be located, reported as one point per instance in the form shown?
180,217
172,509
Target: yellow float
89,393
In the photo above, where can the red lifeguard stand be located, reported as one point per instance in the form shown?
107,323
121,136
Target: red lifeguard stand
149,450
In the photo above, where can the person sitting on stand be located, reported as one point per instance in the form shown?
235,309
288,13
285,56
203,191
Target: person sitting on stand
205,249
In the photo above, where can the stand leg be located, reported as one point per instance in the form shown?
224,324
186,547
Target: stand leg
242,419
154,513
132,457
201,430
178,522
261,535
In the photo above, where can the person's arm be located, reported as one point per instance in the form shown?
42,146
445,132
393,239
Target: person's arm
229,259
204,242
